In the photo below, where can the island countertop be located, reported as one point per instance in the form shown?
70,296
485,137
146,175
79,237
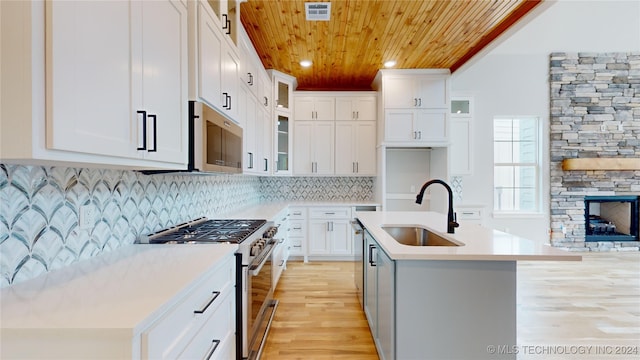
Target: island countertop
480,243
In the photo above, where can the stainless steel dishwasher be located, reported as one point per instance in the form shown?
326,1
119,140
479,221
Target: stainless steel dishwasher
358,273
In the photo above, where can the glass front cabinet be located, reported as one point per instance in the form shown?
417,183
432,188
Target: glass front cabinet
283,86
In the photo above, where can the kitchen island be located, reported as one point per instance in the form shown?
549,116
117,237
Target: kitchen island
444,302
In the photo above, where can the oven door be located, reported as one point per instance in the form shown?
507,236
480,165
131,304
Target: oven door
260,304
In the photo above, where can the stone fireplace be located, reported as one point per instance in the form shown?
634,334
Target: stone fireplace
594,147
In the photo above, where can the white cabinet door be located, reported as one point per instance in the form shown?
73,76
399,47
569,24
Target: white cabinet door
371,284
164,78
431,126
341,237
365,148
433,92
355,148
399,93
117,79
323,138
250,132
319,239
460,149
267,141
398,125
88,78
209,59
345,147
313,150
366,108
355,108
315,108
303,148
304,108
230,65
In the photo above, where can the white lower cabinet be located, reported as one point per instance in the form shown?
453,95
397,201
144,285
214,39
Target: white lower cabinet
297,231
202,325
330,231
283,249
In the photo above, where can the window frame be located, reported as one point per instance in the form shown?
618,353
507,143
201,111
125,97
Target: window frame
536,164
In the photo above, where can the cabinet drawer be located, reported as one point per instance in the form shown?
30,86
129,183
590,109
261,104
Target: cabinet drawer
469,214
296,242
169,335
212,341
297,228
330,213
297,213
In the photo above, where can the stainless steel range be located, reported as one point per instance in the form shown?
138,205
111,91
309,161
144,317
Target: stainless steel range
255,305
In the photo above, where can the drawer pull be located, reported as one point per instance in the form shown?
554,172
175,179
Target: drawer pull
212,349
213,298
467,213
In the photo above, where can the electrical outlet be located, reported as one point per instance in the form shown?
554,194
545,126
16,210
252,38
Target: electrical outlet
87,216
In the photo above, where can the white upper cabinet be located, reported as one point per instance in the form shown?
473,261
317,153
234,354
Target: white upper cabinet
114,75
460,155
209,43
315,108
89,62
356,108
162,90
217,65
313,149
423,91
416,107
356,148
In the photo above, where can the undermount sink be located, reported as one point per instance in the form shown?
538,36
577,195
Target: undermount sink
417,236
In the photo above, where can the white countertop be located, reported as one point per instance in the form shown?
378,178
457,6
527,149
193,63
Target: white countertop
270,211
480,243
118,290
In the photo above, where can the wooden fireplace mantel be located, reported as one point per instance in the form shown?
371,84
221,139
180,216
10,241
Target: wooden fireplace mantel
601,164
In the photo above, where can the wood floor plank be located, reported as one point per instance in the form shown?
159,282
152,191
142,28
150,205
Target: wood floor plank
319,316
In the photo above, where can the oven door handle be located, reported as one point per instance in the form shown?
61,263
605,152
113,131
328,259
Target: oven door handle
262,259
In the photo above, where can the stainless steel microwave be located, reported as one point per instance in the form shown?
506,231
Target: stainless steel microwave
215,142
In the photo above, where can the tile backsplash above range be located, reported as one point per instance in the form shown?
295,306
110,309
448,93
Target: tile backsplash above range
39,208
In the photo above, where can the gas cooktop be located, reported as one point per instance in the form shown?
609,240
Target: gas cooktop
206,231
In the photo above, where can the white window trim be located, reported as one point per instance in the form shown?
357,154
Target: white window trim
538,166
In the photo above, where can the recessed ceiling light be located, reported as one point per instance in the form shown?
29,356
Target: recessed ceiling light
390,63
305,63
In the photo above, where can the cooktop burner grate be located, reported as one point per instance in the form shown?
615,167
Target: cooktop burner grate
208,231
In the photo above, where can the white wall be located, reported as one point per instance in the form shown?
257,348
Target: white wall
511,78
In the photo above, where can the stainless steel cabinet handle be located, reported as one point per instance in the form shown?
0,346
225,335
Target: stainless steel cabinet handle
331,225
266,101
250,161
357,115
212,349
419,101
250,82
420,135
144,130
206,306
266,164
330,213
415,102
357,167
371,262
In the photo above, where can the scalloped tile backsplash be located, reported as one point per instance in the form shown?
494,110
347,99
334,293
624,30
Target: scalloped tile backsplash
39,208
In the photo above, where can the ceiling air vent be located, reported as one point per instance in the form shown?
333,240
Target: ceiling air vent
318,11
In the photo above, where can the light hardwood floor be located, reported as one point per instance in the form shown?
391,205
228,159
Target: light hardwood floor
576,309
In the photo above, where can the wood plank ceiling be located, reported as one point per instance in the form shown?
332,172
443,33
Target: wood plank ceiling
361,35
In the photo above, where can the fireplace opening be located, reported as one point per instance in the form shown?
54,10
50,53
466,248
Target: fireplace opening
611,218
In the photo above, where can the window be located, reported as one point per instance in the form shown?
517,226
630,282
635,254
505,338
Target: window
516,165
